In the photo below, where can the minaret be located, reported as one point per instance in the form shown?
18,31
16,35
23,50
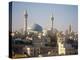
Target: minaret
52,19
25,22
70,30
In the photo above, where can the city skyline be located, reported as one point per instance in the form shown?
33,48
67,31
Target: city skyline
40,13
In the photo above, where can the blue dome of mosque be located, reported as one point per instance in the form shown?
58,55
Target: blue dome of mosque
37,27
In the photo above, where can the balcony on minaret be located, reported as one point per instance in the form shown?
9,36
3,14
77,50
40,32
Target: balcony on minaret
52,18
26,14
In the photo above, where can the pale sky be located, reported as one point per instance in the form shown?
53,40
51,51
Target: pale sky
41,14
